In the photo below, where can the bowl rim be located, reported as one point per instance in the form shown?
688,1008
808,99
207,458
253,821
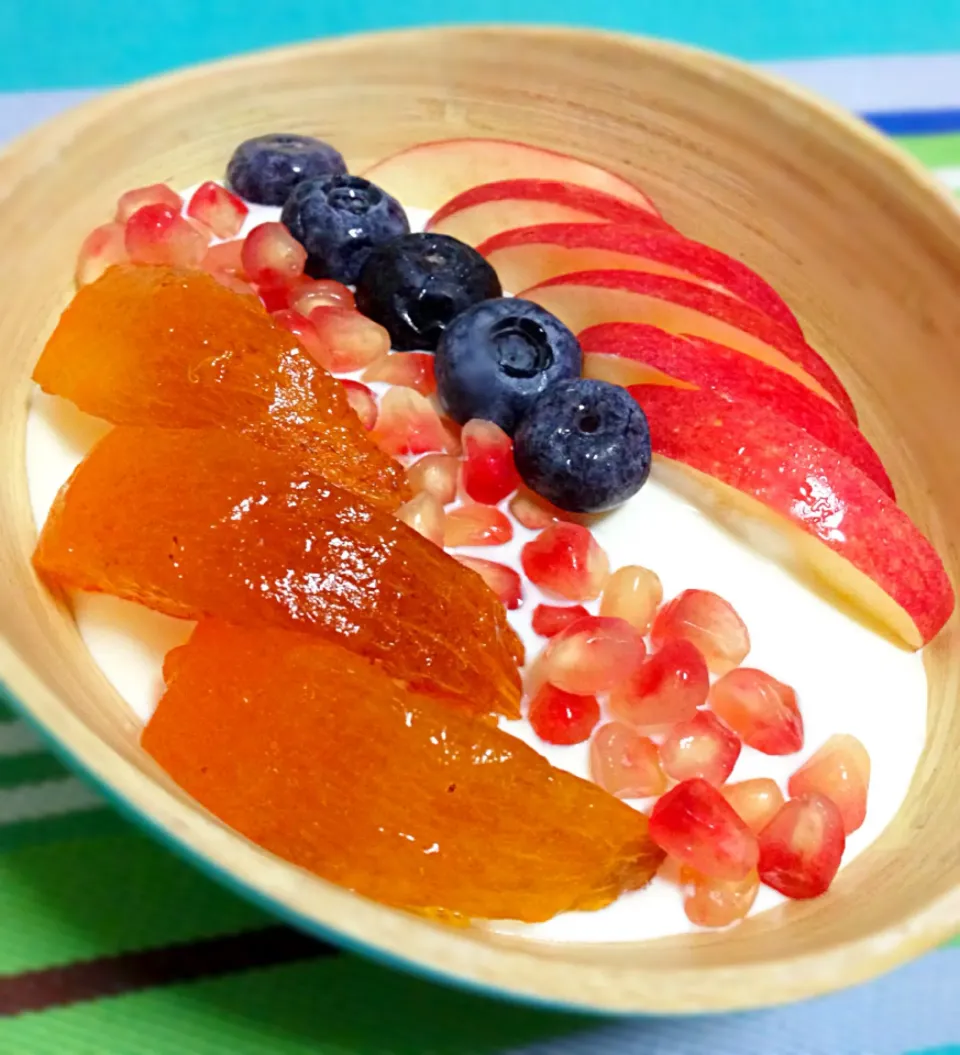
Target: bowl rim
384,934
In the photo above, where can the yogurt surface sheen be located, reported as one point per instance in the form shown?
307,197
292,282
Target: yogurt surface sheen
847,678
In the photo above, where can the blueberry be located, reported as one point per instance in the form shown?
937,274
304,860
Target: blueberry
495,358
584,446
266,169
414,285
340,220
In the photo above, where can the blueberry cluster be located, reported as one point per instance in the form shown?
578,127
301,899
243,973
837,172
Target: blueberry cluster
339,219
582,444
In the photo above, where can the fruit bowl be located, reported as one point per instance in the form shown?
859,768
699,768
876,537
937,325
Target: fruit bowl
862,245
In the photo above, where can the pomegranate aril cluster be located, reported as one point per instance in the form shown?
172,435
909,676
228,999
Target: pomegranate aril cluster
672,736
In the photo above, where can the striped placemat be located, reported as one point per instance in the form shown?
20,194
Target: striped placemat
111,944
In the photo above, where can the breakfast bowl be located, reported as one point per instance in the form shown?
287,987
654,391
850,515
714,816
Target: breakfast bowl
861,244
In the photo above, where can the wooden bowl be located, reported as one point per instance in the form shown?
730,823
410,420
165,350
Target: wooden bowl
861,242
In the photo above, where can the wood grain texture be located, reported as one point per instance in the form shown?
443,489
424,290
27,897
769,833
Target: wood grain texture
861,243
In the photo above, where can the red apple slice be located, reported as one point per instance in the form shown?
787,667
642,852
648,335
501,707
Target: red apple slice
801,503
529,255
428,174
590,297
491,208
629,353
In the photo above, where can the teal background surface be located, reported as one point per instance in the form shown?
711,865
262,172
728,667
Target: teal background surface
72,43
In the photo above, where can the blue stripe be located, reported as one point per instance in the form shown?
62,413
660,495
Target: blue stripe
916,122
913,1009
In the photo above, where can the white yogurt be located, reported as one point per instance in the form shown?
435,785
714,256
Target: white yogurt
848,679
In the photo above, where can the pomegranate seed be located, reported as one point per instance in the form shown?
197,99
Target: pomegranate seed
701,747
156,194
350,340
436,474
550,619
756,801
694,823
667,688
277,296
633,593
710,623
451,428
425,515
625,763
474,524
363,401
593,655
408,424
322,293
489,474
272,256
840,770
801,848
218,209
533,677
565,559
157,234
103,247
504,581
712,902
762,711
224,256
532,511
301,328
235,283
559,717
409,369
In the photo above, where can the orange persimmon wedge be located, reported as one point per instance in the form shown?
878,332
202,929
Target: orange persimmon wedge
170,347
317,755
205,522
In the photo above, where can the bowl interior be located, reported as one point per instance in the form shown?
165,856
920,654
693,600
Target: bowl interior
861,245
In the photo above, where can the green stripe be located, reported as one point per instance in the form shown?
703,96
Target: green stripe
67,829
71,901
29,769
7,713
324,1007
932,151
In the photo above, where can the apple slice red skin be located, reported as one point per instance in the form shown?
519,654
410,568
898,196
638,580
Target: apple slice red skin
589,200
749,448
666,247
737,376
711,303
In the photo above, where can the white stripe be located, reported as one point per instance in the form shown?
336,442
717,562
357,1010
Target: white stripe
51,798
950,175
17,738
22,110
880,82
